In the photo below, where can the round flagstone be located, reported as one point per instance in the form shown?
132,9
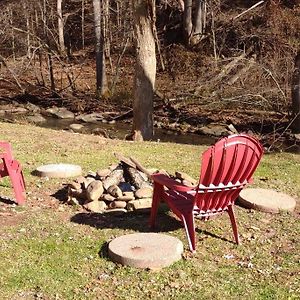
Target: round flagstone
266,200
145,250
58,170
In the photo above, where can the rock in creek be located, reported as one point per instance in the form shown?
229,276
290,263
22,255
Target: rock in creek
76,127
60,113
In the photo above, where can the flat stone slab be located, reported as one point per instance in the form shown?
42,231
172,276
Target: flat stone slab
58,170
266,200
145,250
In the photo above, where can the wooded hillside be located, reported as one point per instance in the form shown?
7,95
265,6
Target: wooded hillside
240,58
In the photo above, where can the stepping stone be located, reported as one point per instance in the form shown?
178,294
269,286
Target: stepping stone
145,250
58,171
266,200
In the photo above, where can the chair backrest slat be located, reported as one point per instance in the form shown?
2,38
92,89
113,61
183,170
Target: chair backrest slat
231,160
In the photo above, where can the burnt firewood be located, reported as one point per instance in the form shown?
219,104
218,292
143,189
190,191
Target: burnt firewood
114,178
125,160
136,178
140,167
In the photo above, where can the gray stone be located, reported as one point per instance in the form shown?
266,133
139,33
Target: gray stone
76,127
60,113
91,174
80,179
139,204
115,191
79,194
145,192
16,110
95,206
32,107
94,190
75,185
127,196
103,173
108,197
214,129
101,132
118,204
90,118
87,181
145,250
36,118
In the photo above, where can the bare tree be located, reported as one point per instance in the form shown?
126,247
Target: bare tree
194,24
296,95
60,26
145,69
101,83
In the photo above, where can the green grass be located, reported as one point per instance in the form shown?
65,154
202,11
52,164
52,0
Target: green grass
49,255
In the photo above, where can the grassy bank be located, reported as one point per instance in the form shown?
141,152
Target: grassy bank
46,253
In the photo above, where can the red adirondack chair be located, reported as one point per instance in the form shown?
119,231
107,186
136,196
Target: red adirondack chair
227,167
12,168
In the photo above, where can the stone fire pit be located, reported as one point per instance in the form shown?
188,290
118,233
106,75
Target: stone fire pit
125,186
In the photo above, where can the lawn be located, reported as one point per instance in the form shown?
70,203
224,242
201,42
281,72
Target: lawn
50,250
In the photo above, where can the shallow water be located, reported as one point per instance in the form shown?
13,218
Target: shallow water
119,130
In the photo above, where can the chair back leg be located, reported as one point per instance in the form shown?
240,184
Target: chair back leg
157,194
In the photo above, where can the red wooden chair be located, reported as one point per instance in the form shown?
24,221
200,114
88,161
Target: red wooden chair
12,168
227,167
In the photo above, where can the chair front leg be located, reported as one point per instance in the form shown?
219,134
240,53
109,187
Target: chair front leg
189,226
233,224
157,194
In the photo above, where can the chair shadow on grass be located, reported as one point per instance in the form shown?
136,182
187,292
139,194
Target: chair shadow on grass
7,200
139,222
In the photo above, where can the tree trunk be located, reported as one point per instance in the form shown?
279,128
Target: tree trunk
199,22
145,69
101,84
296,95
82,24
60,25
194,26
187,19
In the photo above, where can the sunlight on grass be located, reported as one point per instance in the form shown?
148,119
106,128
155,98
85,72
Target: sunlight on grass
50,255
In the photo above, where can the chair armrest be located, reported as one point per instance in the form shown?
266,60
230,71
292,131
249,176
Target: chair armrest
171,183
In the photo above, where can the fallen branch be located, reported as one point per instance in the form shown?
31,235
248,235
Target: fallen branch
249,9
244,70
